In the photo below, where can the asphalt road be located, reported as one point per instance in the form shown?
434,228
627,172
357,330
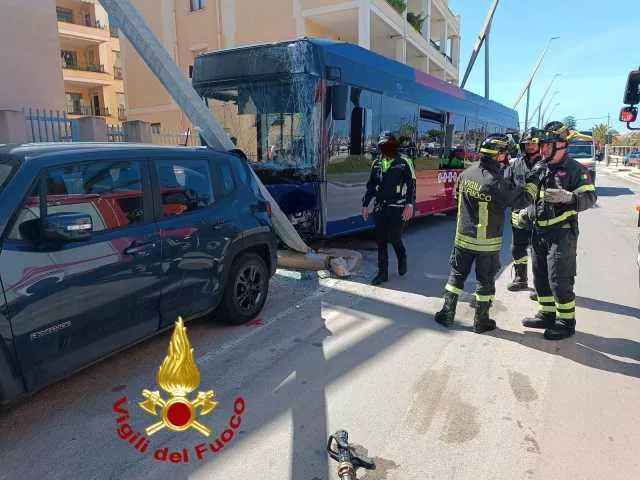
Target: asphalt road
426,402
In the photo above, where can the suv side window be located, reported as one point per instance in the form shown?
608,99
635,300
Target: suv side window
185,185
226,180
109,191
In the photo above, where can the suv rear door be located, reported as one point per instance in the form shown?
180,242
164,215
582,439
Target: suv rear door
196,229
78,301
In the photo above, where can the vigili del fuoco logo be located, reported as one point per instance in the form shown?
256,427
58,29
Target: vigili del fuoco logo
178,376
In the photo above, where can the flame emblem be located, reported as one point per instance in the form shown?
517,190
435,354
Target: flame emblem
178,376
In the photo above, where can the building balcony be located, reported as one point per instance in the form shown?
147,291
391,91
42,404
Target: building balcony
117,73
87,110
122,115
86,74
83,34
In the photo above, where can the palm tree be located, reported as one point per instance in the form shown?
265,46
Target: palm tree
599,133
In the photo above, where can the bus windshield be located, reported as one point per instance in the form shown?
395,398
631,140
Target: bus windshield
584,149
275,122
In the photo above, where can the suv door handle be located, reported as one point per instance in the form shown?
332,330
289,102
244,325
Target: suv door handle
137,248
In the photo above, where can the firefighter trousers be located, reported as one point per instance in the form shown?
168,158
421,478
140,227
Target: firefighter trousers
554,271
487,266
389,224
519,245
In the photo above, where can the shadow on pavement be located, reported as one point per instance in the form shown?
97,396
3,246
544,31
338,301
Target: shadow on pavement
428,261
607,307
613,191
583,348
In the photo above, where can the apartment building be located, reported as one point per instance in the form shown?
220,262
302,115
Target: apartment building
422,33
90,60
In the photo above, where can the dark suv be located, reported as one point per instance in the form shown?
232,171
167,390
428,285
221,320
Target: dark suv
105,244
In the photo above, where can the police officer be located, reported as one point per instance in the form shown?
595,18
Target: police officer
566,189
483,196
392,183
517,172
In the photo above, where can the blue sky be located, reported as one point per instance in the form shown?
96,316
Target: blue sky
597,48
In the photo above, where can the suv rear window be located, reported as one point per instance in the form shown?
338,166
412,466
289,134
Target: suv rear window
6,170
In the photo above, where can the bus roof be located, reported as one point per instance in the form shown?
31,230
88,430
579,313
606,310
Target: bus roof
350,64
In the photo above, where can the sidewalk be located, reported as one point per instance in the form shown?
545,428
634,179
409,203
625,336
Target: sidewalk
619,170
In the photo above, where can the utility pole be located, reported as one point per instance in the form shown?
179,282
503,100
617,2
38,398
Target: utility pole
527,86
551,112
482,38
544,116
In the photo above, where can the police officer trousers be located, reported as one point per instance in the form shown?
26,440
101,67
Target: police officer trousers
554,271
487,266
388,221
519,244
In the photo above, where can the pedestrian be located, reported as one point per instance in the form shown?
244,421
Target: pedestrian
566,189
483,196
392,183
517,172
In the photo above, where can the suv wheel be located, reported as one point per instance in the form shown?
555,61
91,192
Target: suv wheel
246,290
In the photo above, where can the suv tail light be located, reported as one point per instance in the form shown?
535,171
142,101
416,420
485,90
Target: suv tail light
269,209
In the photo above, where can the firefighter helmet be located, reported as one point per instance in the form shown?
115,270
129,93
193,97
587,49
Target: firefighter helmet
495,144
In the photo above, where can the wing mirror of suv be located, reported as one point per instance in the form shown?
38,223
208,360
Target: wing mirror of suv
66,227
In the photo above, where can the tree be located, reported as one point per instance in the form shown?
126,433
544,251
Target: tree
599,133
570,122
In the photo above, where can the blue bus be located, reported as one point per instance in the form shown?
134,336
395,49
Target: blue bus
308,113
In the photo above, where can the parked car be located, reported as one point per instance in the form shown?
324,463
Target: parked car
103,245
632,158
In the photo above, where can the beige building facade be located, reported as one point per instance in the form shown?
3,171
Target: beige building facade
30,56
422,33
61,55
89,55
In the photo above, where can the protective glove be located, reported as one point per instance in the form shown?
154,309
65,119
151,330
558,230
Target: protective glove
558,195
523,219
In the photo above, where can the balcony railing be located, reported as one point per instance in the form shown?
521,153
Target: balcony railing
115,32
84,68
88,110
117,73
65,18
122,116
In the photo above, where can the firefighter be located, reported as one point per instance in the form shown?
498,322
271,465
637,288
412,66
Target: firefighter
566,189
483,196
392,183
516,172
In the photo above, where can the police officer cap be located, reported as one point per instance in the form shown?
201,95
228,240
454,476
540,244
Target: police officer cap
387,137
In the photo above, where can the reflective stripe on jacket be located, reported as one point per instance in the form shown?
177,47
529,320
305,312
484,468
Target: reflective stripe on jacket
392,182
569,175
483,196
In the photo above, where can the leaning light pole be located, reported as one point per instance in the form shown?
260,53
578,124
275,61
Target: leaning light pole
483,38
527,86
544,116
133,25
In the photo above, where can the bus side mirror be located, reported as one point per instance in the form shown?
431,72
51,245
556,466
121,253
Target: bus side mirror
339,95
632,91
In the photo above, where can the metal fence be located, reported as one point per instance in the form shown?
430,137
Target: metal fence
116,133
177,137
43,126
622,155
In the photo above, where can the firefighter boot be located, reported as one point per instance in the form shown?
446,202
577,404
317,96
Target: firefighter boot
381,277
520,279
447,315
540,320
563,328
402,265
383,266
481,322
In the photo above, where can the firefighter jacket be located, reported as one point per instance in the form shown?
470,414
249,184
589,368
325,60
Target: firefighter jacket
392,183
483,196
516,173
569,175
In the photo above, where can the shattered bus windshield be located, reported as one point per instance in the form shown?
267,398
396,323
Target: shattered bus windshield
275,123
